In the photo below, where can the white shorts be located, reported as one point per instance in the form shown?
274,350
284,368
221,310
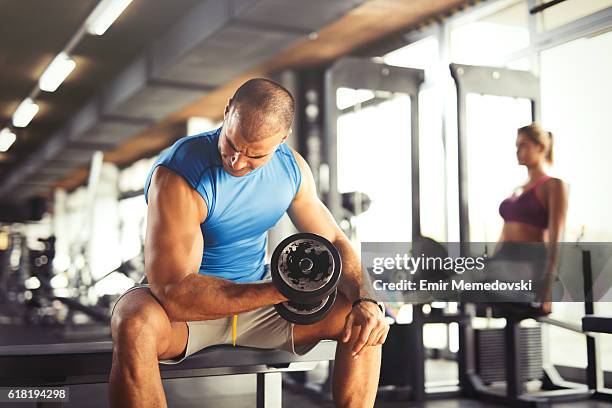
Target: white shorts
260,328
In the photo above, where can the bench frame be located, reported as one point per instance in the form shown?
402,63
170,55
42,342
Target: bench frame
90,363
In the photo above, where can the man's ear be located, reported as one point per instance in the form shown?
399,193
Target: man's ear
227,108
284,139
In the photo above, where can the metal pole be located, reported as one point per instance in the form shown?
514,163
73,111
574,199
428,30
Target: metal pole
269,390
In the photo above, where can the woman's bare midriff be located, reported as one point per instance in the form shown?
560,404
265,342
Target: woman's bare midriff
520,232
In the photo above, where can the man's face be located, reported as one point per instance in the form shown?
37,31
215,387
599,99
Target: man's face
240,156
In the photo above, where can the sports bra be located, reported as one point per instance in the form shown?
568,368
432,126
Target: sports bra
526,207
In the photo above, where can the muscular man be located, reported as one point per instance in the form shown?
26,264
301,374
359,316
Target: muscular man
211,200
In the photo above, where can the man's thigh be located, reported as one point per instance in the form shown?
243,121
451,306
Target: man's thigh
262,328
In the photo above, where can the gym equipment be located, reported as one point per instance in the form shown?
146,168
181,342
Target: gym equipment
490,345
306,269
356,202
517,366
597,324
30,210
306,313
426,247
90,363
404,359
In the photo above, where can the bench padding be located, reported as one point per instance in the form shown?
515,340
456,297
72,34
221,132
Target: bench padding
86,363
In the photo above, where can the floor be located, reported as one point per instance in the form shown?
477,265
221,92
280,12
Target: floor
189,394
238,391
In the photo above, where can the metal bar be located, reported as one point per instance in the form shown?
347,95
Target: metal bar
362,73
443,36
330,144
514,387
462,182
418,354
269,390
544,6
465,356
130,194
587,277
415,166
532,25
564,325
365,104
594,376
585,26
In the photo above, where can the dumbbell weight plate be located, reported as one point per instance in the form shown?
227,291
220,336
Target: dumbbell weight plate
305,314
305,267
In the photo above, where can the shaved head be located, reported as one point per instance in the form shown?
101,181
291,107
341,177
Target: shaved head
261,108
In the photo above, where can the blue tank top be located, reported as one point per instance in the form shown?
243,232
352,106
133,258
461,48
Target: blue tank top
241,210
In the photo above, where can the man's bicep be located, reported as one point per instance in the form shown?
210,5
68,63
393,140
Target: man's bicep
307,211
312,216
174,242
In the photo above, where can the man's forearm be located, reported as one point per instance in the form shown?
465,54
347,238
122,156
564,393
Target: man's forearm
201,297
353,284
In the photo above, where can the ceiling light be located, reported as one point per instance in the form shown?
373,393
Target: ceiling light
56,72
7,138
105,14
25,113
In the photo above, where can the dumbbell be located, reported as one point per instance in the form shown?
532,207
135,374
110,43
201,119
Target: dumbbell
305,268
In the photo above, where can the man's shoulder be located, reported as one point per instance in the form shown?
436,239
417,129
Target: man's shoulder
189,157
297,157
195,144
195,151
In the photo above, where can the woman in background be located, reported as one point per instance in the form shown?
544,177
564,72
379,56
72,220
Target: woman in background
536,212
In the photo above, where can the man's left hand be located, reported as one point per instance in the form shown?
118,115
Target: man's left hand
373,326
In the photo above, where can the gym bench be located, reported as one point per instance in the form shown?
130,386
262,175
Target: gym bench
90,363
594,374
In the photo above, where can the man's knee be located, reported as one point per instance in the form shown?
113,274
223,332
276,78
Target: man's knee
138,318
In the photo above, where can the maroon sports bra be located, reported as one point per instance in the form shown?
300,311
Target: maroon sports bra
526,207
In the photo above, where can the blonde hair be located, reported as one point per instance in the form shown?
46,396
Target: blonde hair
539,136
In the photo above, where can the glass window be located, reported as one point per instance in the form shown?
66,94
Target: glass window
347,97
489,40
564,347
493,172
452,161
575,108
432,165
575,100
374,158
568,11
422,54
605,345
521,64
